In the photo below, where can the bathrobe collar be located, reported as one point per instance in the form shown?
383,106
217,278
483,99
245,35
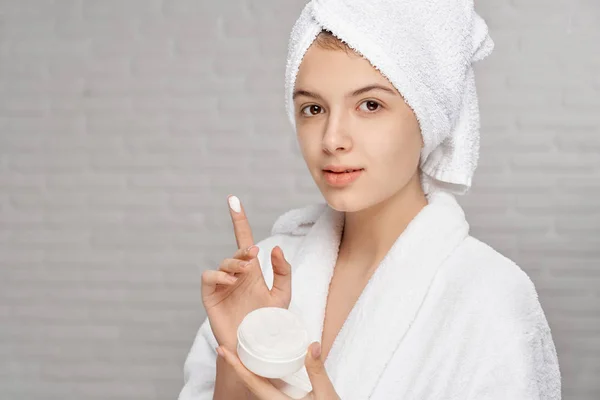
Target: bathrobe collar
391,299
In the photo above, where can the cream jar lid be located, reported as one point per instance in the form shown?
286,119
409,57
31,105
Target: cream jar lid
273,334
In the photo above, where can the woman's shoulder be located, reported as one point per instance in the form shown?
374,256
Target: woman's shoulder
484,261
489,302
291,226
298,221
287,232
494,282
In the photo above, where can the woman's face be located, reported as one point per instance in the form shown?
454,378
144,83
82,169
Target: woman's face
348,114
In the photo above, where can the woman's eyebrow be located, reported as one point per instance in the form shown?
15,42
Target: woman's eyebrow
357,92
306,93
369,88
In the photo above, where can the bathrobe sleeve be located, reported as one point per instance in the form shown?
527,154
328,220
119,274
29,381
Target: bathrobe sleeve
520,359
200,364
525,369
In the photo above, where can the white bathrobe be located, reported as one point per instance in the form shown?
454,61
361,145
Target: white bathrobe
444,316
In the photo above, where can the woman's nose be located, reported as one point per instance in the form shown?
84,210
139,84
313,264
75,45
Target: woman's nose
336,137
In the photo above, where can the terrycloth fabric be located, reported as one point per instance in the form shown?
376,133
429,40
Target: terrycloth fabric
444,316
426,49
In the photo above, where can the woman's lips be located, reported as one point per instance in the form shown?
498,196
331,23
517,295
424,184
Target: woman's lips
340,179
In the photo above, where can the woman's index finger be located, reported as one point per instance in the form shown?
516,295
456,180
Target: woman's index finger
241,226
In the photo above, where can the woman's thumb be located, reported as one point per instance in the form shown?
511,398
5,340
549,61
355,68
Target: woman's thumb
282,275
321,385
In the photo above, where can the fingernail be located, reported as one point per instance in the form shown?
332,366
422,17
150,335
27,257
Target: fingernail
249,249
232,279
245,264
316,351
234,204
220,352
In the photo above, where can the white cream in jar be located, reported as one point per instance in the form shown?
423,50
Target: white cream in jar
272,343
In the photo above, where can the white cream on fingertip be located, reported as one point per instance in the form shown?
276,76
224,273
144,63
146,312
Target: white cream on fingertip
234,203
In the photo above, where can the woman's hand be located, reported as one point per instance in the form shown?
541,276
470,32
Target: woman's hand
238,286
264,390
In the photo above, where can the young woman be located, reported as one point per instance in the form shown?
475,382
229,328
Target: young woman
402,302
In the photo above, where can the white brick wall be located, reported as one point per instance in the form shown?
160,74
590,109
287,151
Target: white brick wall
124,125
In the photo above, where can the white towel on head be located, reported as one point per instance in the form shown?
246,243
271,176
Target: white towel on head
426,49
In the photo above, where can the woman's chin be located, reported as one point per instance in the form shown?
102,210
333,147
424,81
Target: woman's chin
343,201
348,198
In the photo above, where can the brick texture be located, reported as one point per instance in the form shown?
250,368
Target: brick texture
125,124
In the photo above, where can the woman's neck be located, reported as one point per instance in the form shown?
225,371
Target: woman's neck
369,234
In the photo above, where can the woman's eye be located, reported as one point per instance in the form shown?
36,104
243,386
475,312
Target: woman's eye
371,106
312,110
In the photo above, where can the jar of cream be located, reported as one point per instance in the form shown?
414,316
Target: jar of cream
272,343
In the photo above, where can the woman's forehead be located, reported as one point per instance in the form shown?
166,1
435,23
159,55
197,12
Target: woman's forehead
336,67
